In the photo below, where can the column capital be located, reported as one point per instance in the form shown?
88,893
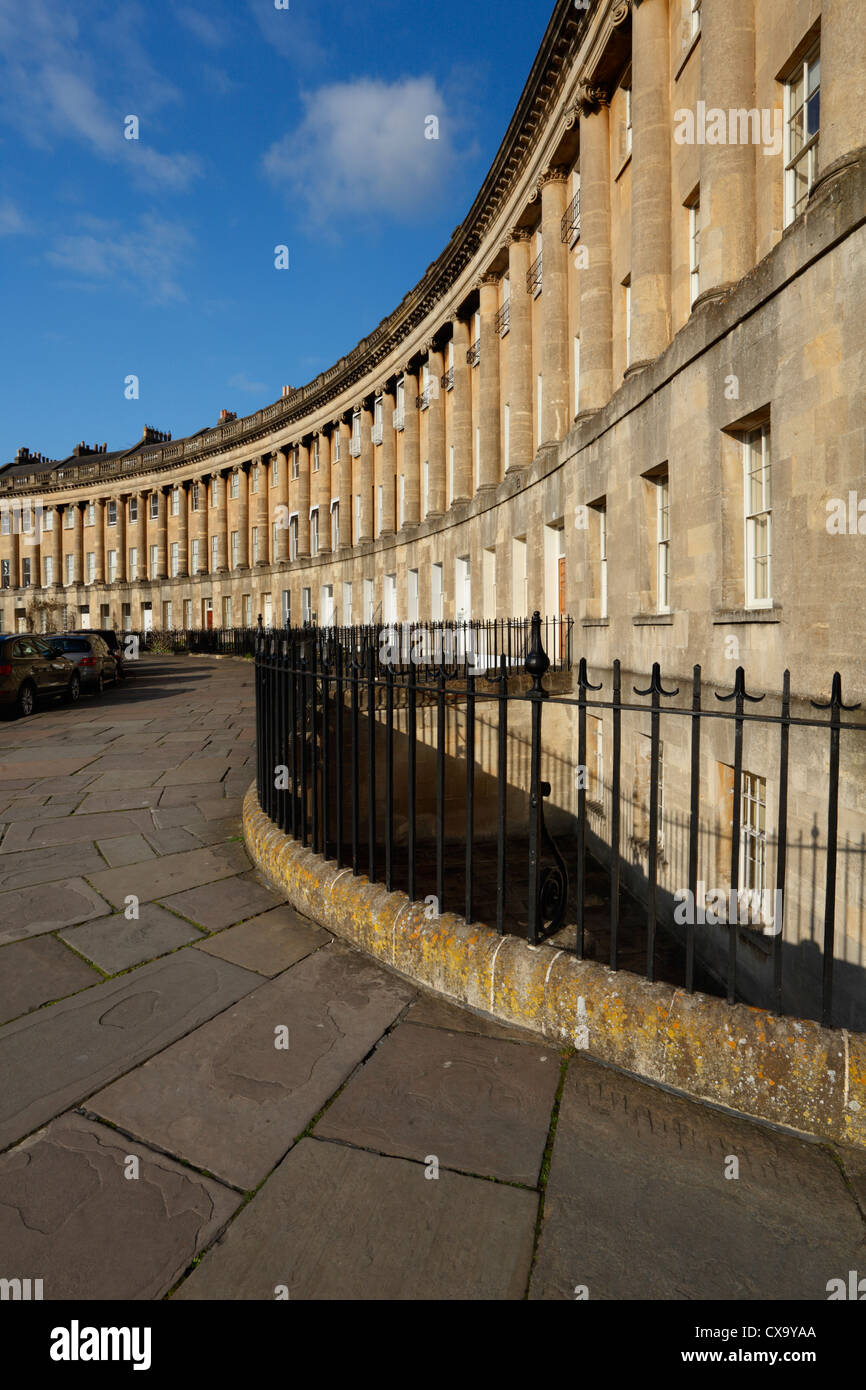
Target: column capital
555,173
589,99
517,234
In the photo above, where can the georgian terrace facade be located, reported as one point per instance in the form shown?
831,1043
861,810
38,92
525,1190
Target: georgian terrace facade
625,390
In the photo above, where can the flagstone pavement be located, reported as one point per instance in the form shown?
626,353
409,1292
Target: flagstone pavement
205,1096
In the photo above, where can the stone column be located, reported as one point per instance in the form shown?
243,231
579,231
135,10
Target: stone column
99,540
77,548
303,495
489,399
141,535
33,546
519,353
262,513
120,539
281,519
596,305
435,433
843,62
14,552
243,516
461,414
365,473
183,531
56,548
161,533
389,463
727,170
555,419
411,451
222,522
202,526
650,185
346,503
323,496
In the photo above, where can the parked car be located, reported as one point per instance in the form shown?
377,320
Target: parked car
30,669
96,665
114,644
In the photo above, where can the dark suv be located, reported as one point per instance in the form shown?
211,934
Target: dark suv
30,668
96,666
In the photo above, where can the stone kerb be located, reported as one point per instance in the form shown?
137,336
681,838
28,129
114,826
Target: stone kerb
790,1072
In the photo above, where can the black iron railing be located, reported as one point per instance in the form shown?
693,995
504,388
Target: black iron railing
570,224
473,354
502,322
351,736
535,274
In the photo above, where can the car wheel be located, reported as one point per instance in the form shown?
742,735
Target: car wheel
26,702
73,690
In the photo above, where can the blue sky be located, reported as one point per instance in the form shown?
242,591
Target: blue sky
258,127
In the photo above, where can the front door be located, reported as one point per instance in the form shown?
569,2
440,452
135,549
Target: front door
208,612
147,617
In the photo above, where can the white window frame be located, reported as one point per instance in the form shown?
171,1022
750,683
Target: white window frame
808,151
758,517
663,543
694,251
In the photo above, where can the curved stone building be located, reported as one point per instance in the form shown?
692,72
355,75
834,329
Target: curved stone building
629,389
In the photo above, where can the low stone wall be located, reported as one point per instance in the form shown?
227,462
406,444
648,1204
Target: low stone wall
788,1071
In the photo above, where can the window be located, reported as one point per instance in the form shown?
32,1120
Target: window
274,529
347,602
413,596
314,531
70,570
195,559
227,610
25,573
175,501
758,513
195,496
626,126
235,544
91,567
477,456
694,250
154,506
400,407
255,544
5,522
576,375
802,126
355,443
49,570
389,602
336,439
335,525
663,544
426,487
69,517
48,519
275,470
167,616
369,601
377,420
379,509
357,515
695,18
539,397
436,598
296,461
462,588
316,454
89,514
507,433
112,514
293,537
214,553
133,564
154,551
254,478
187,612
519,578
248,610
213,492
6,575
306,606
287,608
753,833
175,559
595,760
112,566
234,484
401,499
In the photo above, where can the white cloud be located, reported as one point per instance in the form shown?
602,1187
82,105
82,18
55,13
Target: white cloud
12,220
148,257
361,150
206,29
241,382
56,87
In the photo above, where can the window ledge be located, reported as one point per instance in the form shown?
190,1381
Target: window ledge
653,620
724,616
595,622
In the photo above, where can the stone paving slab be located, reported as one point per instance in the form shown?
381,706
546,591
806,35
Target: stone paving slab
268,944
36,970
218,905
72,829
125,849
638,1205
115,943
227,1098
45,907
133,799
480,1105
195,771
190,869
55,1058
39,867
184,795
334,1223
438,1013
68,1211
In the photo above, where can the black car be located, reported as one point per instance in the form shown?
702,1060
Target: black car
30,668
